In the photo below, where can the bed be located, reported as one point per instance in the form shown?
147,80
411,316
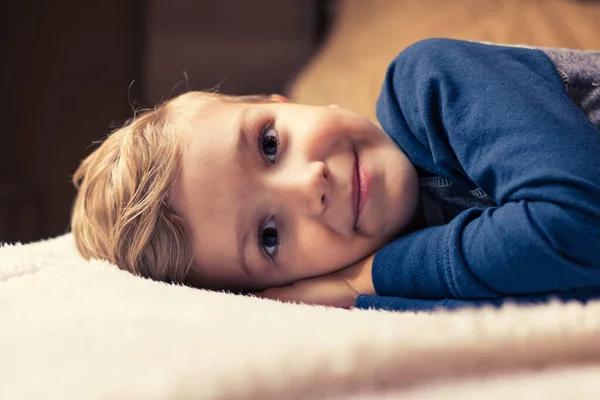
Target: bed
73,329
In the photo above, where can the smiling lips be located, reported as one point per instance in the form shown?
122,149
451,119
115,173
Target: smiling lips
359,189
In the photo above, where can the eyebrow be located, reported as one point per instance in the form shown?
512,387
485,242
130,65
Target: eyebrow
242,137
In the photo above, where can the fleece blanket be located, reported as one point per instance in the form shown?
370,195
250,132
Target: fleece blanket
71,329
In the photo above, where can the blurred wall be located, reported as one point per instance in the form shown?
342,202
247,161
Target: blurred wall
66,68
244,47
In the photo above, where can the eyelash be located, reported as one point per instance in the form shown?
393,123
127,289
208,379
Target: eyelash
261,230
268,127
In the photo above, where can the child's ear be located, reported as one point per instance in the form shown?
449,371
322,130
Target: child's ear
279,98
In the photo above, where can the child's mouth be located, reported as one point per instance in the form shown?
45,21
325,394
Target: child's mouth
359,189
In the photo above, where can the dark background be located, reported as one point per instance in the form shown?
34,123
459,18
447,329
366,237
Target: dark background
73,70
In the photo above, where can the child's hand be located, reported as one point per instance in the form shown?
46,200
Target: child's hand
338,289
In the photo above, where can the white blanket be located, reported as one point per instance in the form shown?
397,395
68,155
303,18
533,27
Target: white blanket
71,329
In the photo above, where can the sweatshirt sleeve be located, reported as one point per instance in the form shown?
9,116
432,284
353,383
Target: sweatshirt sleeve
498,117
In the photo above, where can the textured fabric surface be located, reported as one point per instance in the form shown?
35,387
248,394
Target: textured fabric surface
71,329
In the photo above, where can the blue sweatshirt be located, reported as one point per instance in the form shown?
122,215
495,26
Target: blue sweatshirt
513,165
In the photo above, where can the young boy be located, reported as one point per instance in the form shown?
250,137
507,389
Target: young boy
483,186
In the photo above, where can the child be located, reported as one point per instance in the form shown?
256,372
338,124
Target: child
483,186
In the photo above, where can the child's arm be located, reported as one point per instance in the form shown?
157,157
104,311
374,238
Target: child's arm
499,117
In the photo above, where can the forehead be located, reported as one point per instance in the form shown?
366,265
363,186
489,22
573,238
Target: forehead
209,188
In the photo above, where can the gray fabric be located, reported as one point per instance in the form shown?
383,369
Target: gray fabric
580,72
442,199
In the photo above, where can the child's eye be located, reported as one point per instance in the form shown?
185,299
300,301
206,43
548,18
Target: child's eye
267,237
268,143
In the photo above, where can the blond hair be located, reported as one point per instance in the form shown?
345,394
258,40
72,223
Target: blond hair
122,212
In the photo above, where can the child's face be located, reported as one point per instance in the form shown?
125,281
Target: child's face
270,192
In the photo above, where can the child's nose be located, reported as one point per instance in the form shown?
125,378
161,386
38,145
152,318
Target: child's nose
306,189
